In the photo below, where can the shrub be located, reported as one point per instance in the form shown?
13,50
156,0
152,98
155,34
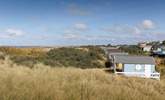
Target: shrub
75,57
83,57
24,60
133,49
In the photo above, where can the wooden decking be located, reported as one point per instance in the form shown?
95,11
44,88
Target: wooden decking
154,75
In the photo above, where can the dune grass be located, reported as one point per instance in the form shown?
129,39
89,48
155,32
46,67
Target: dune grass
46,83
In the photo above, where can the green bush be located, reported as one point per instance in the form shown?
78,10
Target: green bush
83,57
74,57
133,49
25,60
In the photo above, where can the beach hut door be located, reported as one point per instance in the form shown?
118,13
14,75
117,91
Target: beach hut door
147,70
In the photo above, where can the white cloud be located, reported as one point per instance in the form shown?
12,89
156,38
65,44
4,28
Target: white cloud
116,33
71,36
146,30
4,36
75,31
76,28
11,32
136,30
80,26
122,29
147,24
14,32
84,37
74,9
142,28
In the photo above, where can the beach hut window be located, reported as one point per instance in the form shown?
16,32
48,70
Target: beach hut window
138,67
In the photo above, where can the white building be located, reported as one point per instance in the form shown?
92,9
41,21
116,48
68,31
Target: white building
147,48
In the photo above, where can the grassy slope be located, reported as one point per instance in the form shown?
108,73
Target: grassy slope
45,83
81,57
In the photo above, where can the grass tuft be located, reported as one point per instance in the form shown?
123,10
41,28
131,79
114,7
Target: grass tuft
46,83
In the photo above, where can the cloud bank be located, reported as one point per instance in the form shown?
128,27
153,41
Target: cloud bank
12,33
141,31
147,24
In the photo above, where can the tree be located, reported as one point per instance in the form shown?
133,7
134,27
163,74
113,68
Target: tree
163,42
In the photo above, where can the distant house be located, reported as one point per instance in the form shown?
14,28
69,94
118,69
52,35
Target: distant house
142,44
147,48
158,50
138,66
114,51
110,50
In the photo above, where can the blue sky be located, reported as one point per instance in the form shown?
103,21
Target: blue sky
81,22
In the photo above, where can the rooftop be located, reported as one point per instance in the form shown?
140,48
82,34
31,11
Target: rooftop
134,59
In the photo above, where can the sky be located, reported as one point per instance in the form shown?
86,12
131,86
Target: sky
80,22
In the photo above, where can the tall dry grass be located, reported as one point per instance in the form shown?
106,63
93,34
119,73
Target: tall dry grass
45,83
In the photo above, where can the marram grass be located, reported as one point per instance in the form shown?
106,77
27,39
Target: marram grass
46,83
